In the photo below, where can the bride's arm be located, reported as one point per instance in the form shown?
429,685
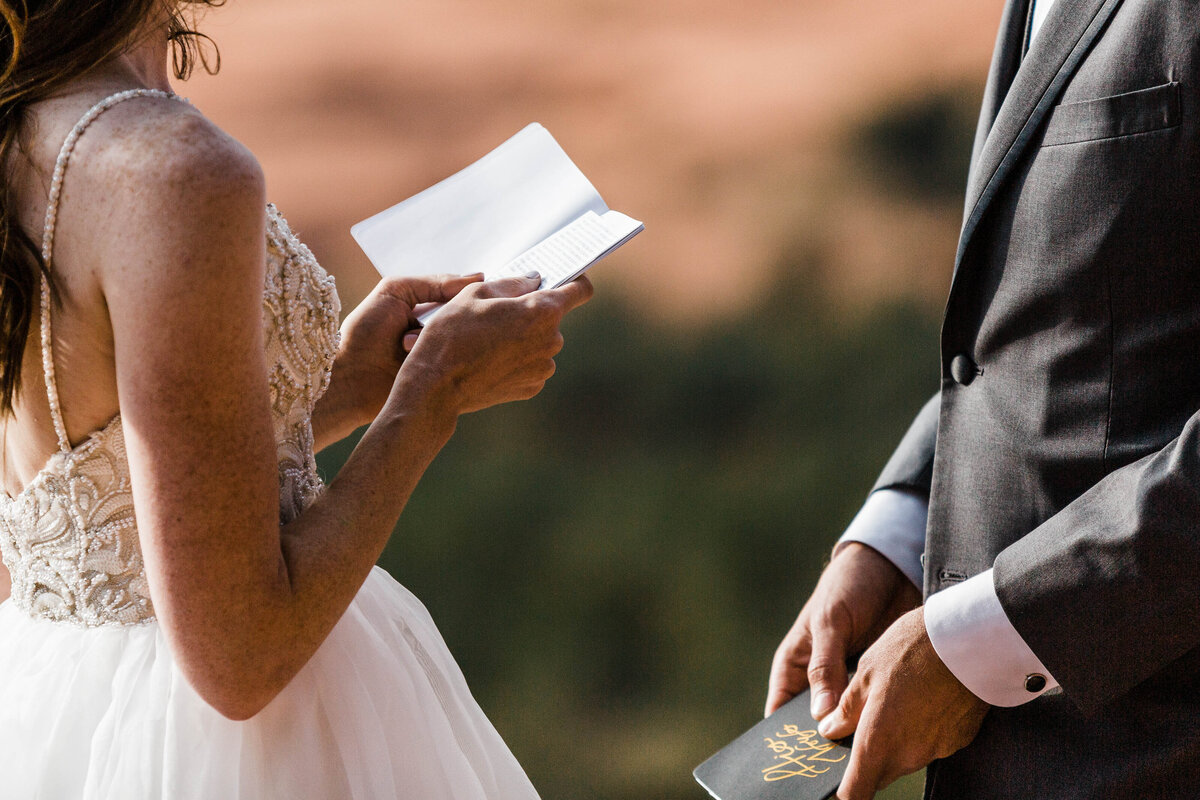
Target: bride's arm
245,601
5,584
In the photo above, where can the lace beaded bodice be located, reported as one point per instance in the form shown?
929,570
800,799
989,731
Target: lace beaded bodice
70,539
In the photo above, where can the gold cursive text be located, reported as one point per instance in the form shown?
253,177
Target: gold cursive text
794,751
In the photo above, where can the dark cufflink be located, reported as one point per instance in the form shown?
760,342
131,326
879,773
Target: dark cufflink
1035,682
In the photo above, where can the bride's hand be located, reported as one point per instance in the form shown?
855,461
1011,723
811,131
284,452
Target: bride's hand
493,343
372,348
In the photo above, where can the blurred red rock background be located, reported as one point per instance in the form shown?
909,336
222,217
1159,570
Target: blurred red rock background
720,124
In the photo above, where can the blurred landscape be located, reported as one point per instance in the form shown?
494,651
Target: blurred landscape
614,562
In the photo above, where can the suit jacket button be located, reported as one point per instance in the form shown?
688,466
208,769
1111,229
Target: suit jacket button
1034,683
963,369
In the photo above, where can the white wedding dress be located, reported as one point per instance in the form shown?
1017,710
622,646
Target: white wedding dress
92,704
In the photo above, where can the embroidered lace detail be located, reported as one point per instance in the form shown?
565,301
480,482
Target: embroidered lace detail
70,539
301,309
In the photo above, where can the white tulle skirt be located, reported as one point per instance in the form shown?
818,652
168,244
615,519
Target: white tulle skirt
381,711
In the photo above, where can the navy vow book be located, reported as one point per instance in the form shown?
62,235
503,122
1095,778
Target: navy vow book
781,758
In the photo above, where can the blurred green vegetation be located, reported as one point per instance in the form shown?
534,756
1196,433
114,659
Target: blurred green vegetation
614,562
919,147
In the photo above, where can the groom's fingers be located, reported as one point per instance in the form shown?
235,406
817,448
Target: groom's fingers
866,772
827,665
788,668
845,717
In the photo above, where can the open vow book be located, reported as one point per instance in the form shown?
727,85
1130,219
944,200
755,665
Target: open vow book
523,207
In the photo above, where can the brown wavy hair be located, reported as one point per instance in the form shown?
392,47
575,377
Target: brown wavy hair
44,45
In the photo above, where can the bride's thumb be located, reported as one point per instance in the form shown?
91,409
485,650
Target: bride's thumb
428,288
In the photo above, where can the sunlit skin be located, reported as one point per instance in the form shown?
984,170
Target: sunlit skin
160,259
904,707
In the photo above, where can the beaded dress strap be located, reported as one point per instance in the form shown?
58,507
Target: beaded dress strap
56,182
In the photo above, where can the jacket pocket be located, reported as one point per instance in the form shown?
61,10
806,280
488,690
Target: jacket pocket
1125,114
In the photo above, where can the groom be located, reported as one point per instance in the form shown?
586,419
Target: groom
1047,500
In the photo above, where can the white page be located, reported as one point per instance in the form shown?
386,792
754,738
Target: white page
484,216
566,254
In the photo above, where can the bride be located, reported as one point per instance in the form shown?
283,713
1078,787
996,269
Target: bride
192,614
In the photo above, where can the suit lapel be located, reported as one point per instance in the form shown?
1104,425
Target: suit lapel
1063,41
1005,61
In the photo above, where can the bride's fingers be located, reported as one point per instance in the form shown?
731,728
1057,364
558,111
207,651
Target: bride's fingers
427,288
575,293
410,340
509,287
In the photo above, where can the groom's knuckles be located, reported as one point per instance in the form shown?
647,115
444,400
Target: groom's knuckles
827,661
826,672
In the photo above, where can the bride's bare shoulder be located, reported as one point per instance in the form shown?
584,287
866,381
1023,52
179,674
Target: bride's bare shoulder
153,178
156,147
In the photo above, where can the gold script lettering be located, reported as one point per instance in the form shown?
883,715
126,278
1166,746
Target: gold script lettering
793,750
811,740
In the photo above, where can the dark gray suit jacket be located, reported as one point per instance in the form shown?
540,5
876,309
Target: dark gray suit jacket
1064,446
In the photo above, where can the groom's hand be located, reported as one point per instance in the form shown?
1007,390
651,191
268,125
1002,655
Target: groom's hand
904,707
859,595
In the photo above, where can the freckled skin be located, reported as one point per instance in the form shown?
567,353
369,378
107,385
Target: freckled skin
160,257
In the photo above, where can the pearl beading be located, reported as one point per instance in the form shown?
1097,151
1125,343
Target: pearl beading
56,184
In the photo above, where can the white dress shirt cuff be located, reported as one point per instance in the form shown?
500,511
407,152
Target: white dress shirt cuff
892,522
975,640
